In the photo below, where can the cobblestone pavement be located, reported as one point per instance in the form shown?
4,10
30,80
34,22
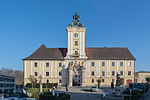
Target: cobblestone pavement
78,93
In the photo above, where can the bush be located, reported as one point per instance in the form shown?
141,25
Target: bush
45,85
29,85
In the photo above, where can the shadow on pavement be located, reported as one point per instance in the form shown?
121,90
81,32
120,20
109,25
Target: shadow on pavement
86,90
84,96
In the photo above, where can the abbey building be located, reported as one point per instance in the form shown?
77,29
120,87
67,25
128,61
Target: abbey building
78,65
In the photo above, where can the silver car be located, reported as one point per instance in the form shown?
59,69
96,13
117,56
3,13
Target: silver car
94,89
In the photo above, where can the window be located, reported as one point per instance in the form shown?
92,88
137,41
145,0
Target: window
121,73
121,63
113,73
60,81
60,64
129,73
92,73
92,63
129,63
113,63
35,74
92,80
103,73
76,43
35,64
76,52
47,81
103,80
47,64
60,73
47,73
103,63
113,80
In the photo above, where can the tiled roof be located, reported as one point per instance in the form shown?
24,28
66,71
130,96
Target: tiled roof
143,72
92,53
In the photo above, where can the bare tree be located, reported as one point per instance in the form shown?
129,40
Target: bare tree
99,81
33,80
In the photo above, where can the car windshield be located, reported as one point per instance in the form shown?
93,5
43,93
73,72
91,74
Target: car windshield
94,87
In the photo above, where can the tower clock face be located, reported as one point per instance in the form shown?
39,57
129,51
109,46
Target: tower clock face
75,34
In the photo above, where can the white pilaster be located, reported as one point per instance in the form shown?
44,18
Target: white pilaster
99,66
125,69
117,66
30,67
71,37
56,69
43,68
107,67
52,69
88,69
97,69
80,44
40,68
69,45
83,49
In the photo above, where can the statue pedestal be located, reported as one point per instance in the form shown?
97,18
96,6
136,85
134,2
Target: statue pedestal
41,89
70,78
83,78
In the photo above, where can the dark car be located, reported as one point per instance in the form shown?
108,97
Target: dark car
135,88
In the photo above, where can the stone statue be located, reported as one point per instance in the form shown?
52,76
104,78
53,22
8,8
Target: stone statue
76,18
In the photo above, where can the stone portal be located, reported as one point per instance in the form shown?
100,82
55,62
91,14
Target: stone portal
76,74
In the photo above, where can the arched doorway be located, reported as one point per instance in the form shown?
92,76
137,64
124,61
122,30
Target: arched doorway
129,81
76,80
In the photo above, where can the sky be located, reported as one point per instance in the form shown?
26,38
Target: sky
27,24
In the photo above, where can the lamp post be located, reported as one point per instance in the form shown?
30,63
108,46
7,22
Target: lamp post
40,87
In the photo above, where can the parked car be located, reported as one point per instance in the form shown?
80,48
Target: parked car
11,98
94,89
135,88
27,99
1,97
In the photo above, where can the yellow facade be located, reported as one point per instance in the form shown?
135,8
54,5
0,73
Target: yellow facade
54,70
77,63
141,76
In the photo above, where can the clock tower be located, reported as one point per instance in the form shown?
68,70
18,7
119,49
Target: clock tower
76,40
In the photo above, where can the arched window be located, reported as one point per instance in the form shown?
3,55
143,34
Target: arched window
76,52
47,81
76,43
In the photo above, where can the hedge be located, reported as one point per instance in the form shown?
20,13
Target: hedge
45,85
49,96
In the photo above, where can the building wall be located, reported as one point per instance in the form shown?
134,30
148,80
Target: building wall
54,69
141,77
7,84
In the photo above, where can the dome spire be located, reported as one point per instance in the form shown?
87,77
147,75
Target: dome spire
75,22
